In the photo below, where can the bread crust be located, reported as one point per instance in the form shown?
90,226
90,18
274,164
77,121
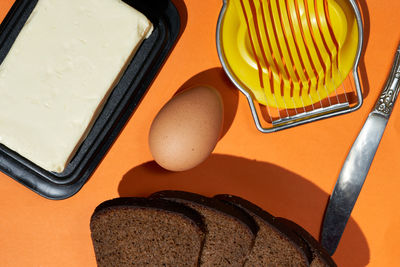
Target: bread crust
231,232
280,230
320,256
139,231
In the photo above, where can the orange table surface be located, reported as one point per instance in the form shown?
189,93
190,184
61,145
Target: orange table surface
290,173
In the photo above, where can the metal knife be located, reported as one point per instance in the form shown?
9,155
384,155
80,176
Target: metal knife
358,162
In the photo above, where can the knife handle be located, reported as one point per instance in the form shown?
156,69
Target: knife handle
385,103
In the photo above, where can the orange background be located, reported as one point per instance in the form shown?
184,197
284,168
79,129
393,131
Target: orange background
290,173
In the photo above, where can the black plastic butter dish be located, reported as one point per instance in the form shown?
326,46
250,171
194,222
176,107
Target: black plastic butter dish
120,105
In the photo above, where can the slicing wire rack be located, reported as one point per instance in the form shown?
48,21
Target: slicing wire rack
296,61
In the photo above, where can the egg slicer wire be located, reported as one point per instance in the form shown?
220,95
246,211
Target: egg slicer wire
297,59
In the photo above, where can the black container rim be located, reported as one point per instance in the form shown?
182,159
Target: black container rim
119,107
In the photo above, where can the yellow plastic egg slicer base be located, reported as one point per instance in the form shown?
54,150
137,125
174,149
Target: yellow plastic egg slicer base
292,56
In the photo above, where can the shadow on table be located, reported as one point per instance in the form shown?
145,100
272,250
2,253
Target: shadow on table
279,191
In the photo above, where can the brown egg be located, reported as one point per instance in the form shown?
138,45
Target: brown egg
185,131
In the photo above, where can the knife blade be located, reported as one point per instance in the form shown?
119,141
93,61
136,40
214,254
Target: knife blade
358,162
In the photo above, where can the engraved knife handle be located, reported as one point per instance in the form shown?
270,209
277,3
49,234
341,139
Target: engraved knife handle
385,103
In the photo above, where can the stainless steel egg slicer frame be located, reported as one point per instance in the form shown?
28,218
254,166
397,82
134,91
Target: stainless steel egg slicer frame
283,118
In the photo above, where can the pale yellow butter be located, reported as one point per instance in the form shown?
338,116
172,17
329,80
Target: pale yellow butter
60,71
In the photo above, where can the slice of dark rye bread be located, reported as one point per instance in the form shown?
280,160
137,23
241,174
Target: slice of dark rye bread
230,232
321,257
146,232
317,255
275,244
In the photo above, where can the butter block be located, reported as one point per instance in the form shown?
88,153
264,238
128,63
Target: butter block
59,72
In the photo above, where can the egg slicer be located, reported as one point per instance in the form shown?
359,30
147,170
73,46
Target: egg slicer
296,61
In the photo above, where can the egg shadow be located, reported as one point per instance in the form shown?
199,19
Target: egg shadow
277,190
217,79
